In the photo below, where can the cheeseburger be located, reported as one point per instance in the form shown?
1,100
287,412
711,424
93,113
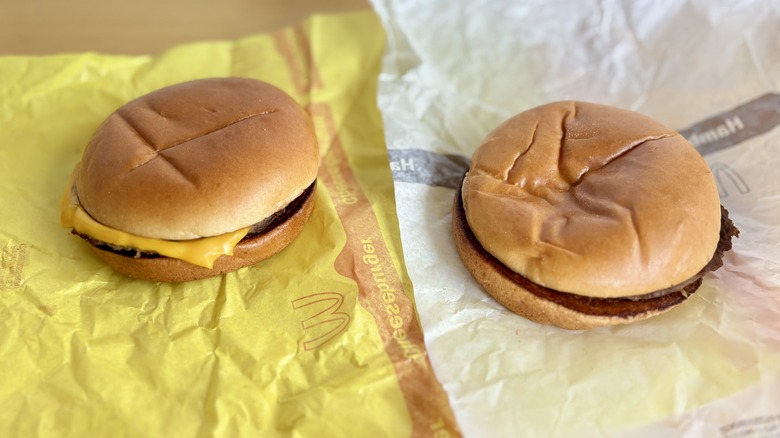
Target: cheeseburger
581,215
195,180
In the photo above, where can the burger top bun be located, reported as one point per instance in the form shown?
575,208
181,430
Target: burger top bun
593,200
198,159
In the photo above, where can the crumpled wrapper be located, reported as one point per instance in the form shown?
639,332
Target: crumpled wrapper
320,340
453,71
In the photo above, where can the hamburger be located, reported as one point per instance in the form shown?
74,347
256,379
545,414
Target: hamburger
195,180
581,215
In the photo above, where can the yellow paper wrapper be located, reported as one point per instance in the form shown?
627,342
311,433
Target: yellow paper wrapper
320,340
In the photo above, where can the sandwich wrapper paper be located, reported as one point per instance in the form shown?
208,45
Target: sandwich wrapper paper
454,70
320,340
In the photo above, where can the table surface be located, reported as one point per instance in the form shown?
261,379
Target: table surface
36,27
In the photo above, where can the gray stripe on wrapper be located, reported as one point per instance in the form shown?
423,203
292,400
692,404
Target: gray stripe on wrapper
426,167
735,126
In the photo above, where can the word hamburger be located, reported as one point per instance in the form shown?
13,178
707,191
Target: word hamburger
581,215
195,180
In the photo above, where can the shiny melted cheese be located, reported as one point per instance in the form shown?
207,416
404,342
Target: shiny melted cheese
202,252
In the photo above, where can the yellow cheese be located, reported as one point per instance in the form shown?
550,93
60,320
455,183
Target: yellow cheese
202,252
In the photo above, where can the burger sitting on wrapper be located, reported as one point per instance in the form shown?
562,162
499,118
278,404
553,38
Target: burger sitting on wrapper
582,215
195,180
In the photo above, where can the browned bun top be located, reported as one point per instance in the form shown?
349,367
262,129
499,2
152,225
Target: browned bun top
593,200
198,159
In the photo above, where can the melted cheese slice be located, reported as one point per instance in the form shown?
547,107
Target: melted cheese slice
202,252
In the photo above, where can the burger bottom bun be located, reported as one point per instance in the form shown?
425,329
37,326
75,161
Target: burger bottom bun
249,251
514,291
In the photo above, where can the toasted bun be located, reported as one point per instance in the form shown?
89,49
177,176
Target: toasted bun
198,159
565,310
592,200
249,251
532,302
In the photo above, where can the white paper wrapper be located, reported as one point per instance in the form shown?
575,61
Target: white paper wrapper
454,70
